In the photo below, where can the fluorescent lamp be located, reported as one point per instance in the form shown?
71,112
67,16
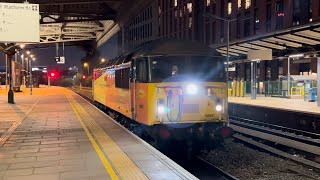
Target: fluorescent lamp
255,60
296,56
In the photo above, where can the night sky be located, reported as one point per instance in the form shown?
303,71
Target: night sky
45,57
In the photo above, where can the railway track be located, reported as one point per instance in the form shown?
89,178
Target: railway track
203,169
199,167
305,142
212,168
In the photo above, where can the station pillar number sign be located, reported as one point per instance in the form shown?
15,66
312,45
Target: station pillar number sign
60,59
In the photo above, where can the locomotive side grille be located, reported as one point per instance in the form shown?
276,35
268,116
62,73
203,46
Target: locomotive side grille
191,108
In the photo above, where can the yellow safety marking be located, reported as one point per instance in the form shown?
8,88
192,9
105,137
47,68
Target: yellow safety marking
123,165
94,144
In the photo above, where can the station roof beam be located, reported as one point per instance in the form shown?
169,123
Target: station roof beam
252,46
72,20
282,42
300,39
304,38
266,44
234,50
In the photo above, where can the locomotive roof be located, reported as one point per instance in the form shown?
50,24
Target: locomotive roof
163,48
174,47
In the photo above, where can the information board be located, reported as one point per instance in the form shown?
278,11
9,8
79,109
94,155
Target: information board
19,22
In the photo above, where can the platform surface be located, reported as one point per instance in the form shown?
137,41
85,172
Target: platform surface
296,105
55,134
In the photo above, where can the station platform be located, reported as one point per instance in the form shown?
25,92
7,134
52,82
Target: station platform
56,134
294,105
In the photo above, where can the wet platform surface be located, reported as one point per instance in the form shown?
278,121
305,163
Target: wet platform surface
55,134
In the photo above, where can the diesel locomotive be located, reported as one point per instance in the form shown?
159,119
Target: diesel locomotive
168,90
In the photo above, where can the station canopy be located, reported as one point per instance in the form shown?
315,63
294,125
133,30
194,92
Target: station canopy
71,21
303,38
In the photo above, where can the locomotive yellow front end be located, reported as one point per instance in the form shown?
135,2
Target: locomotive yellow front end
188,102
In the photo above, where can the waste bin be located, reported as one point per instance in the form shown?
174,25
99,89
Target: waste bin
229,92
312,94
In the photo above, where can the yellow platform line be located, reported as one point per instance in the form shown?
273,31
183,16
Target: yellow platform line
95,145
125,167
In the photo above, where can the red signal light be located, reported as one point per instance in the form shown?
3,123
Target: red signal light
83,77
52,74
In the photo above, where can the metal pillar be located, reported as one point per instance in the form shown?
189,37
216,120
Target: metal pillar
228,59
253,80
10,92
228,45
318,81
288,78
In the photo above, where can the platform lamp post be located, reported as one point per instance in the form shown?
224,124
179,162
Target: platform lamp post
32,58
22,46
27,66
23,71
210,15
228,21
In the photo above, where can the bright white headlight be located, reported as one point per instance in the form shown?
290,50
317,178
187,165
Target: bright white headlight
219,108
192,89
161,109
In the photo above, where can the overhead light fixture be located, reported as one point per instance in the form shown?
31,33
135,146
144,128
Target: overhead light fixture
296,55
256,60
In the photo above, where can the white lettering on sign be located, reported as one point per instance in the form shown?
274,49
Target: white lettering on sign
19,22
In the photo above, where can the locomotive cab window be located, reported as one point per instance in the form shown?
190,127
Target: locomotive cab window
122,78
142,70
181,68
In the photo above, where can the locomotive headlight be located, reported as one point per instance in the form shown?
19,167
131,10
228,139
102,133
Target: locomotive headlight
160,106
161,109
219,108
192,89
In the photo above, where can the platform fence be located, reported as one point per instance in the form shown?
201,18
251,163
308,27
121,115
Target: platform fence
270,89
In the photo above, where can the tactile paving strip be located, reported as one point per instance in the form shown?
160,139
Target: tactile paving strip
124,166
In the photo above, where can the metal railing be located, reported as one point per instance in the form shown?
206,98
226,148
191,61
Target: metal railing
270,89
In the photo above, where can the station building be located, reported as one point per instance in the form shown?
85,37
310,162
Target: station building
287,27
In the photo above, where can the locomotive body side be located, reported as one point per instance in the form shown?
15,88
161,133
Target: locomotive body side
106,92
